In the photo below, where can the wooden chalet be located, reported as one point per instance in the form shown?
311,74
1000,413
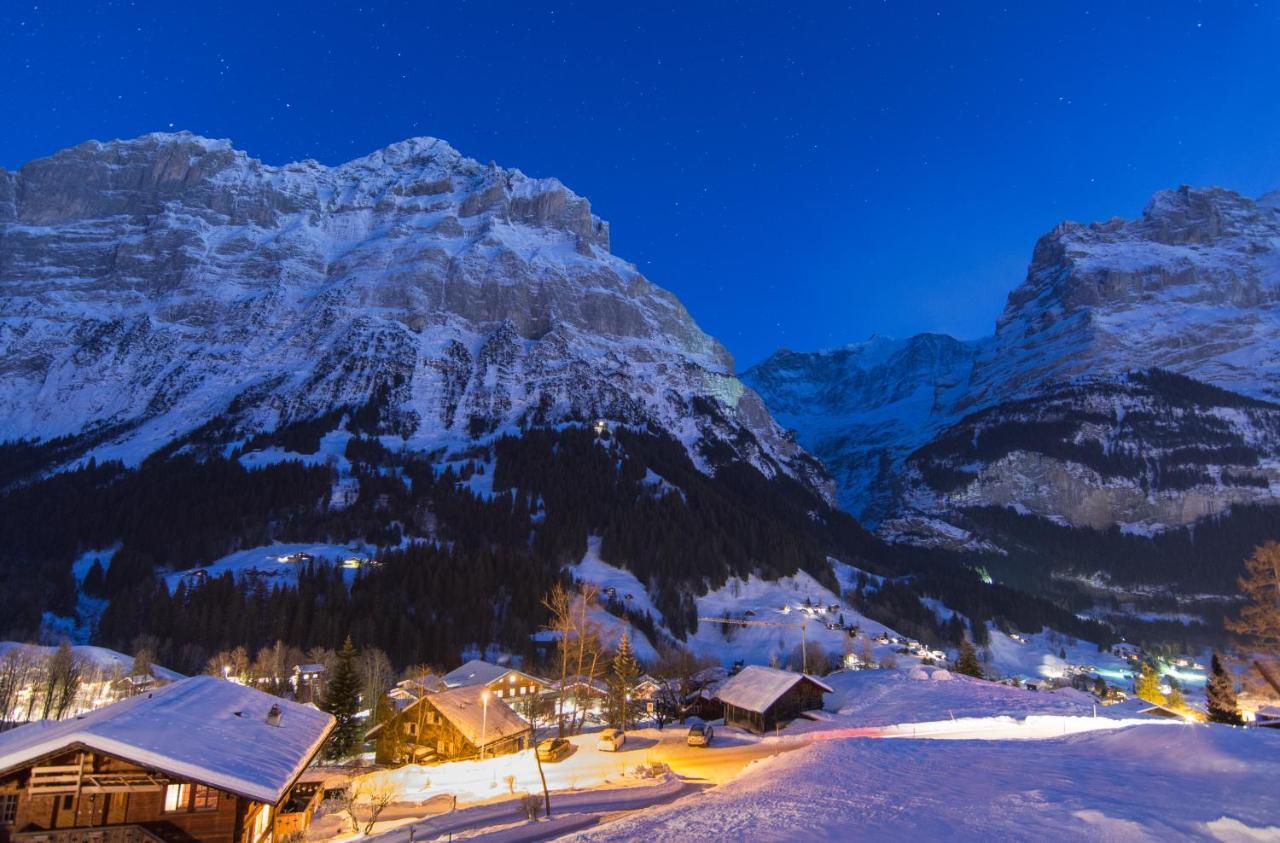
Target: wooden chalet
505,683
760,699
451,725
200,759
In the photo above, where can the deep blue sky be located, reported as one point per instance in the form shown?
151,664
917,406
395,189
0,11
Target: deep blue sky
799,176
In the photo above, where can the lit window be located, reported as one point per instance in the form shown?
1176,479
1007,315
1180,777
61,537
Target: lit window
261,824
511,680
8,808
204,798
523,689
175,797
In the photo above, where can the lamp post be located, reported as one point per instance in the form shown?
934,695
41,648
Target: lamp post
484,721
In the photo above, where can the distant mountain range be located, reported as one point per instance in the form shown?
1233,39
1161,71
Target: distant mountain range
1132,381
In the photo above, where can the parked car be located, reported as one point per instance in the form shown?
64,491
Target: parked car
554,749
700,735
611,740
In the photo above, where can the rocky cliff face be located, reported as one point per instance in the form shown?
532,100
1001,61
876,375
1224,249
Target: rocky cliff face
864,408
1056,413
170,284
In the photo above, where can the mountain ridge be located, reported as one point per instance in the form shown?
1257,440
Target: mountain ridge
1191,287
154,285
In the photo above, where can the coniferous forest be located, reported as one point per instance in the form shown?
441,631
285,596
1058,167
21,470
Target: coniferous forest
469,543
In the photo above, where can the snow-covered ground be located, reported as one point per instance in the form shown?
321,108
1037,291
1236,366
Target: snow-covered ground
782,602
108,661
271,562
886,697
1141,783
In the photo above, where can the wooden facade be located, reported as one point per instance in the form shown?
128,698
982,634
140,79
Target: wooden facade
78,796
425,733
805,695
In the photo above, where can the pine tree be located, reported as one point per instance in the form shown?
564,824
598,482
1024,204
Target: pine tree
1259,621
967,662
622,679
1147,685
342,700
1220,692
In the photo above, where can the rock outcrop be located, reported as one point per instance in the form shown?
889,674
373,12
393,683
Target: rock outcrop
168,285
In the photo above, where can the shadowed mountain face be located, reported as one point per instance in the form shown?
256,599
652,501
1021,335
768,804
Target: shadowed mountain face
1130,381
170,284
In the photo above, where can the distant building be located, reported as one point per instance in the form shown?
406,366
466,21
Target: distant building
307,680
760,699
451,725
199,759
505,683
409,691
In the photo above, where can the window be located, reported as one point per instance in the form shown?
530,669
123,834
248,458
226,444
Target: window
523,689
176,797
8,808
411,728
261,824
67,802
511,680
204,798
499,693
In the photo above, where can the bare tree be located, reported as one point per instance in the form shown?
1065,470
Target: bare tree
369,796
1259,621
17,671
61,682
560,604
376,674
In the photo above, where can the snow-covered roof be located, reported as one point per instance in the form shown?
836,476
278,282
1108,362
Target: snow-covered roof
583,681
465,709
756,688
202,729
479,672
99,657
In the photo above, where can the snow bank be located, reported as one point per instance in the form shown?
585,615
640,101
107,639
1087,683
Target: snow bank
1145,783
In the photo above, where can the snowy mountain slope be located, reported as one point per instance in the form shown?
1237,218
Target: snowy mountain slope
1065,384
170,284
863,408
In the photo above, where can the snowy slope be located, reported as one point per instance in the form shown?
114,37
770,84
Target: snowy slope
1144,783
274,564
103,659
158,286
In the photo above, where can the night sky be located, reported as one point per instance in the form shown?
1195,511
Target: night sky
800,177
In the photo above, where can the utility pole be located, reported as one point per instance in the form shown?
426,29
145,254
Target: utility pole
802,626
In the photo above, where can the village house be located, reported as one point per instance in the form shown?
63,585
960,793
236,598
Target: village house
408,691
760,699
307,680
199,759
505,683
459,723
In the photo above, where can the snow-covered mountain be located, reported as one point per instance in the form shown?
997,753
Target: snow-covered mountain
167,285
1065,411
863,408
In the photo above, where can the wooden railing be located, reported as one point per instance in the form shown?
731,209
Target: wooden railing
106,834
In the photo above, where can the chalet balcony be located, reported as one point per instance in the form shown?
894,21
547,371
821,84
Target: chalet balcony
148,833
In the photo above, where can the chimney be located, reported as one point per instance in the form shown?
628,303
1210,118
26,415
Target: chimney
273,716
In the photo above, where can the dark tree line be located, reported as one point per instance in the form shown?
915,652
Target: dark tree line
492,557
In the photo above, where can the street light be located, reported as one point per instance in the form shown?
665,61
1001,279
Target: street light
484,721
